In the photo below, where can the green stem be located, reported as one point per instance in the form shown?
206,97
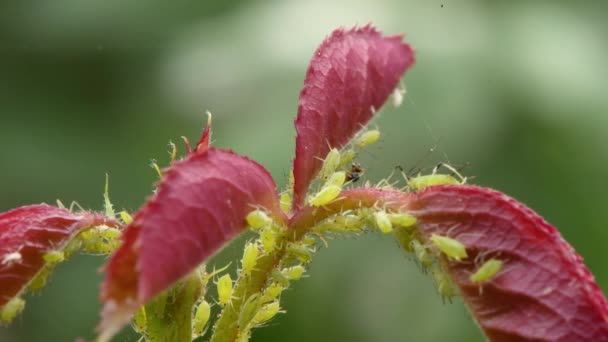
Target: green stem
169,316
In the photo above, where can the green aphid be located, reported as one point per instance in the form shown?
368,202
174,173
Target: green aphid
201,318
487,271
11,309
267,312
330,164
452,248
249,309
422,182
422,254
300,252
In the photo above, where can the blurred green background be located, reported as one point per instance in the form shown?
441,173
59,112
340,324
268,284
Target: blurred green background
513,90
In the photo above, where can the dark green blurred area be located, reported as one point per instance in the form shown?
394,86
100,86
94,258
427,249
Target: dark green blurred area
514,90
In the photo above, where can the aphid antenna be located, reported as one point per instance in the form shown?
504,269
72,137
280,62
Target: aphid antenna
75,204
451,169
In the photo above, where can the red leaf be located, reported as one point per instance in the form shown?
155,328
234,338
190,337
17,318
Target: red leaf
200,205
27,233
543,292
350,76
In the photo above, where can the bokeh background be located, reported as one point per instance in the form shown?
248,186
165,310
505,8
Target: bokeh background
514,91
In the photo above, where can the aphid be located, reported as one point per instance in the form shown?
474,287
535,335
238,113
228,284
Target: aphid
294,272
422,254
53,257
486,271
258,219
452,248
266,313
337,179
250,257
354,173
402,220
423,182
140,320
300,252
224,289
279,278
445,285
269,239
367,138
383,222
11,309
285,201
272,292
330,164
201,317
348,222
126,218
347,157
248,311
326,195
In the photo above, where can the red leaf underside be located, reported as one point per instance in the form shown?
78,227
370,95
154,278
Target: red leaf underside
199,206
350,76
27,233
543,292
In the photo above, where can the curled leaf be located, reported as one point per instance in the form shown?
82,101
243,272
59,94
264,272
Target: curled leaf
28,234
543,291
350,76
201,204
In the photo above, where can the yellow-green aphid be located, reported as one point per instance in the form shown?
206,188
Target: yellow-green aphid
383,222
300,251
422,182
422,254
452,248
404,236
486,271
330,164
402,220
266,313
250,257
347,157
224,289
327,194
285,201
126,218
109,209
248,311
367,138
53,257
140,320
109,232
11,309
201,317
348,222
269,239
445,286
294,272
337,179
279,278
272,292
258,219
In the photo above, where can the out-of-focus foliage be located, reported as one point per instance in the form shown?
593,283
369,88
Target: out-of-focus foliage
513,90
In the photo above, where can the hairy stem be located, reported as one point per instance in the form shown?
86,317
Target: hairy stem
226,328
